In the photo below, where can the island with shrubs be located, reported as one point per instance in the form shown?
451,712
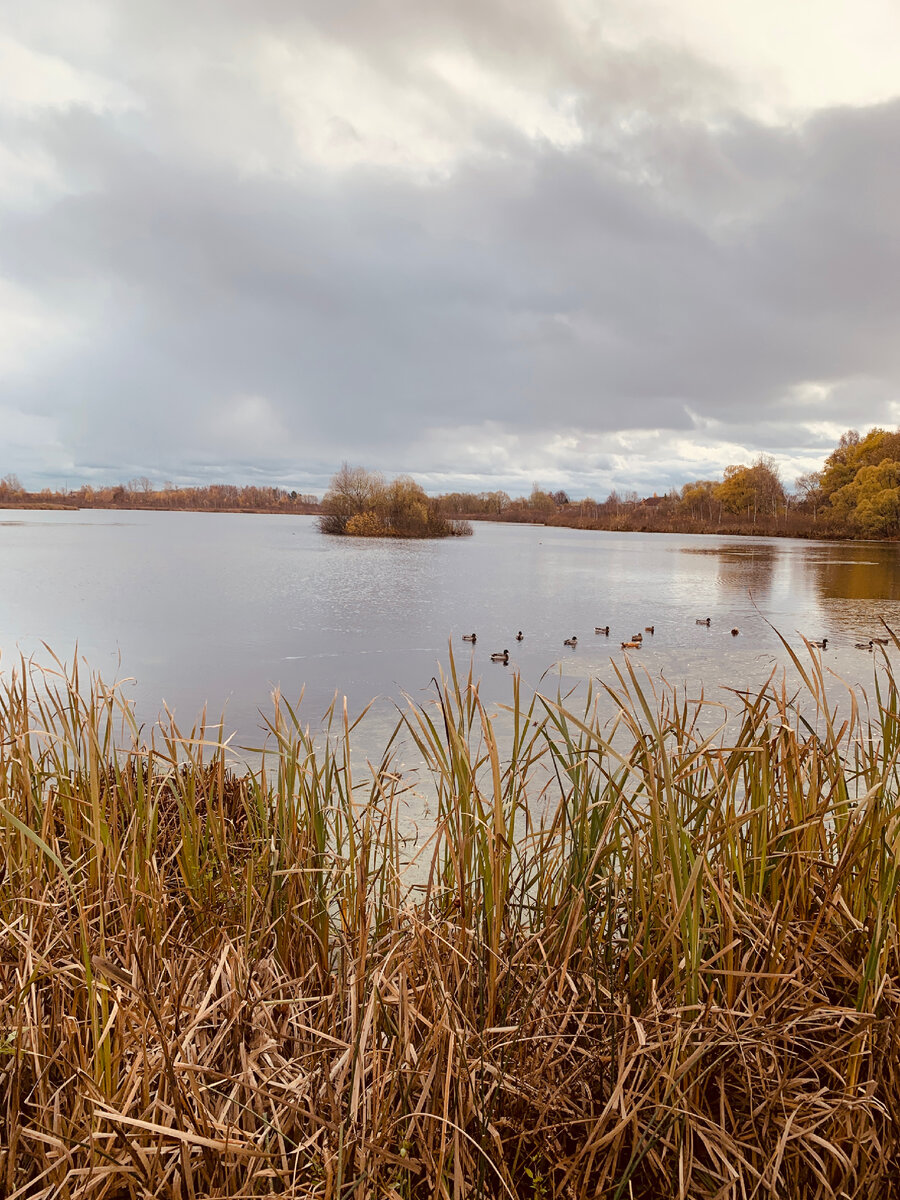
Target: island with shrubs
360,503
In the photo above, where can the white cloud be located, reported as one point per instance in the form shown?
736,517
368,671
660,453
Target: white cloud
792,56
528,110
345,113
28,176
28,431
31,331
247,427
32,80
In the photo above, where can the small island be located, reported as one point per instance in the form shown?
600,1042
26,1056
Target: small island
359,503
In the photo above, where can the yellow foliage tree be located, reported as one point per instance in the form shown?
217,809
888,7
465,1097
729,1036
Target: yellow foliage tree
871,501
366,524
698,498
735,492
752,490
853,452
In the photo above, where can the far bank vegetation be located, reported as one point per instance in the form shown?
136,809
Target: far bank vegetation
359,503
856,494
141,493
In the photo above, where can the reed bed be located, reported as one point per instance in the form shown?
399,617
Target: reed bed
640,957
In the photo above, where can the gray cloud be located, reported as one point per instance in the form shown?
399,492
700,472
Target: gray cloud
656,286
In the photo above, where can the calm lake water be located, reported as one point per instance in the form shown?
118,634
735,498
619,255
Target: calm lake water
221,609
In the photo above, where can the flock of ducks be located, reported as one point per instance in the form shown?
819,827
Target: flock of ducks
637,640
869,645
502,656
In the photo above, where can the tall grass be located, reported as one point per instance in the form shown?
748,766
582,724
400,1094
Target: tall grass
648,956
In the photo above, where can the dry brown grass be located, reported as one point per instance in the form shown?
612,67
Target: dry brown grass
638,961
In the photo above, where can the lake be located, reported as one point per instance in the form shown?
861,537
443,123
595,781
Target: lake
221,608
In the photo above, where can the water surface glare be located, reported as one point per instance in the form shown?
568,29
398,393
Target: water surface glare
221,608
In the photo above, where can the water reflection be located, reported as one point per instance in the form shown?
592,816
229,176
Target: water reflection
845,592
743,568
222,608
868,572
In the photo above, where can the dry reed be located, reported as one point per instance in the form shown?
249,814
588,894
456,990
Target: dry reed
634,959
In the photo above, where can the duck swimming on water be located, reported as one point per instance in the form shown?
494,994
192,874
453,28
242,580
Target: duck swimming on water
469,637
572,641
602,629
520,636
504,657
706,621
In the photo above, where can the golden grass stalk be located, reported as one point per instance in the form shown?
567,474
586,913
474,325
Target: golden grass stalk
653,955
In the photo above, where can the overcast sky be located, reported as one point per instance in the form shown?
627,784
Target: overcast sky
588,243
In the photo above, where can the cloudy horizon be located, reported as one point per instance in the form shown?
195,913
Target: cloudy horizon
484,244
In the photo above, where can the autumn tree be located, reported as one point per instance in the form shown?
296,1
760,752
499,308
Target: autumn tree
352,491
769,496
699,499
11,485
735,492
540,501
841,464
871,500
497,502
405,507
808,492
752,489
854,452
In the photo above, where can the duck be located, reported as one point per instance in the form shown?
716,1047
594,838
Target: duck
881,641
735,632
823,645
631,645
572,641
504,657
469,637
520,636
637,637
705,621
649,629
604,629
865,645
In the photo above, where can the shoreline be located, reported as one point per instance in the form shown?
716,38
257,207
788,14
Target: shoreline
480,518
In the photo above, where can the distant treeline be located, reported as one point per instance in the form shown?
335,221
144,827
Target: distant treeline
139,493
855,495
